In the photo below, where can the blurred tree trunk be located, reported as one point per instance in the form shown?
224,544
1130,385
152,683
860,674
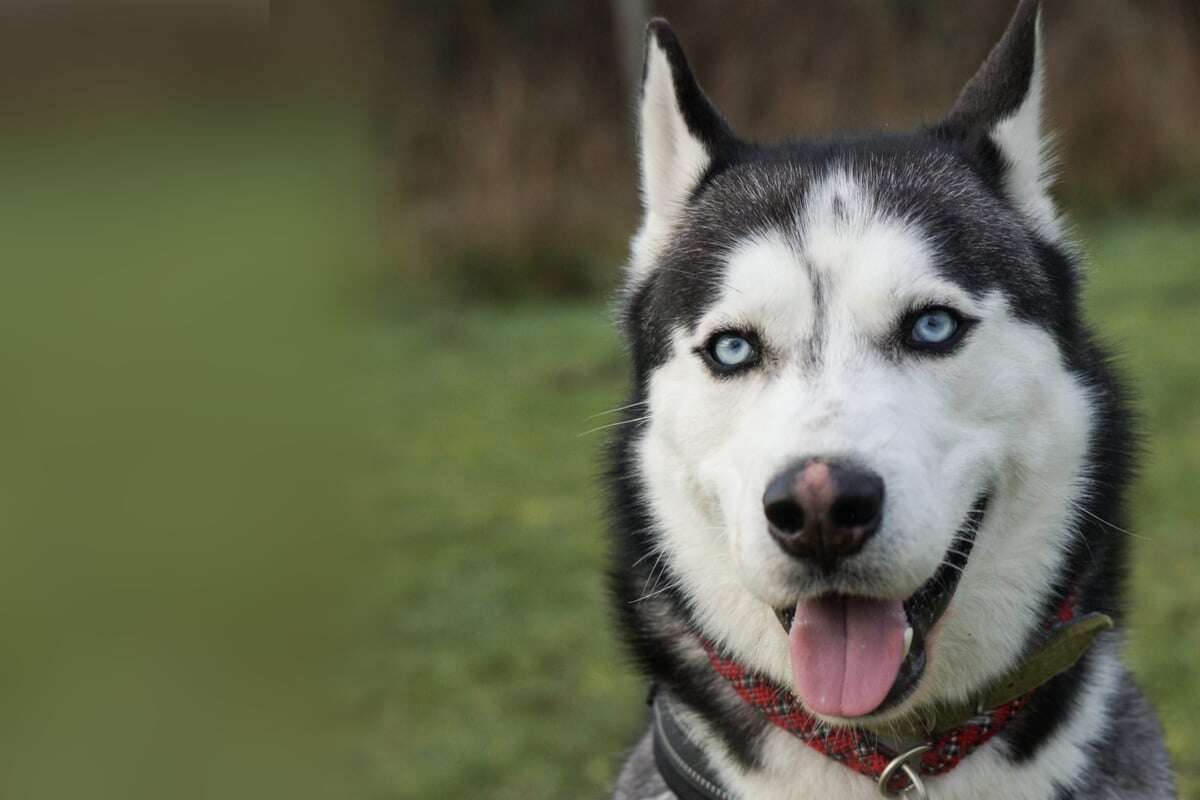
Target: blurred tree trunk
629,20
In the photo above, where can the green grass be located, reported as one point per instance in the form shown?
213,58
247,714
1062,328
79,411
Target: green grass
173,459
502,670
493,663
1146,297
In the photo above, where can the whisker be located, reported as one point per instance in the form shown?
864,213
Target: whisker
652,551
974,544
619,409
960,553
703,280
613,425
672,585
1079,507
650,578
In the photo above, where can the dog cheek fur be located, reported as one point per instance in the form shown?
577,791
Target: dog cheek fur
696,491
1040,417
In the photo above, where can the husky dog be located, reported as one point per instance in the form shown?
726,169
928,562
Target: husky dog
869,491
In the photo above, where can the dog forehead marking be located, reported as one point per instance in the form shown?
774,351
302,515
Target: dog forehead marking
848,237
841,260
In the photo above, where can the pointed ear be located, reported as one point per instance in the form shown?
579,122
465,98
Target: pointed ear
680,134
1002,104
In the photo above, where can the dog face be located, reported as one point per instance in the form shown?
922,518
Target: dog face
861,417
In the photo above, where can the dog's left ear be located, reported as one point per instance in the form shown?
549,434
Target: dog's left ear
999,113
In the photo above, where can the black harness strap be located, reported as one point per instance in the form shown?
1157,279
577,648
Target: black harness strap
680,761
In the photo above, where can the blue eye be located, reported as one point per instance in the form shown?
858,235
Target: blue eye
934,328
730,351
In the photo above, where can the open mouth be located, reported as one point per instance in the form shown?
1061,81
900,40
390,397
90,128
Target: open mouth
853,656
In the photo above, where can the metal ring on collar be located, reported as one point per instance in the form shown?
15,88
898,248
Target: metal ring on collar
917,790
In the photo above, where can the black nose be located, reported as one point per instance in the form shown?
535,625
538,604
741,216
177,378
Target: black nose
823,510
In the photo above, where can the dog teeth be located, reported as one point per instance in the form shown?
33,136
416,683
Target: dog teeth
908,634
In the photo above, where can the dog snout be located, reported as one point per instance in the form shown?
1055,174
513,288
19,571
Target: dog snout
823,510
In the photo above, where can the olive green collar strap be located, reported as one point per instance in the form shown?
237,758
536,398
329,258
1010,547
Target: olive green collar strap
1065,646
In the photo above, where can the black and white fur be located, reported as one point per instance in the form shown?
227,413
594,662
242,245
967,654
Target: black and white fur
821,248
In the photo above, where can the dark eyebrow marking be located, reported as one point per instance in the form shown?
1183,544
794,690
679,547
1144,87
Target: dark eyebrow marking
839,209
815,347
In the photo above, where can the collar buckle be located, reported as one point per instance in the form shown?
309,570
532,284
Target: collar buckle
916,789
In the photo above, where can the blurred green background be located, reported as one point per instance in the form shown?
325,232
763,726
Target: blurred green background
306,330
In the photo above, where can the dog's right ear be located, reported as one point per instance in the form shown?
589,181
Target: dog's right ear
680,134
1000,108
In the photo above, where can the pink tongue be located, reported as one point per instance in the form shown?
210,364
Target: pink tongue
846,653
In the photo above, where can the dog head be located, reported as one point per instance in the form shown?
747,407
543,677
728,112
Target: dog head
861,412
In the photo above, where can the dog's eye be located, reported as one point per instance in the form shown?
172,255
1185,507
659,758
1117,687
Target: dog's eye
729,352
934,329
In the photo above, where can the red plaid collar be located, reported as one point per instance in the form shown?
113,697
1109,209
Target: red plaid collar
858,749
861,750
